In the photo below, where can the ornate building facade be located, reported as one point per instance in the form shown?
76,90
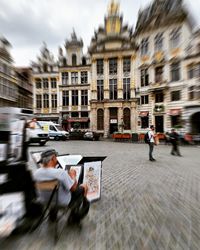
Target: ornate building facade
45,86
74,85
8,81
113,54
130,78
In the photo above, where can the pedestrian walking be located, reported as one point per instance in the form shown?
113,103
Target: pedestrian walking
152,136
174,139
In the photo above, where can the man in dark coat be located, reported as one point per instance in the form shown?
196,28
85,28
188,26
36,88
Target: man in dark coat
174,138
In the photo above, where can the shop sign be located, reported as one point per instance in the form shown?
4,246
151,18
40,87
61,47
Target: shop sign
112,121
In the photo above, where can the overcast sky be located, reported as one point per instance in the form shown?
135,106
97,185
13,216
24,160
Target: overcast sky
27,23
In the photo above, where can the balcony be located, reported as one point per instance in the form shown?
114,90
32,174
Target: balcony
158,85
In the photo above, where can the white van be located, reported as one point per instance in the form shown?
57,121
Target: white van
55,131
35,133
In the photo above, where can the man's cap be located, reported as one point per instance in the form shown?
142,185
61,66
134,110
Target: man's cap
47,153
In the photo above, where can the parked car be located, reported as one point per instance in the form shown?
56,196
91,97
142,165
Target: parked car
55,131
76,135
90,135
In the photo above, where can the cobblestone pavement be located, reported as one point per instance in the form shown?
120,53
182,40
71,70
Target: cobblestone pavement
144,205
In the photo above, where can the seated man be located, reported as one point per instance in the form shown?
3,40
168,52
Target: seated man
69,193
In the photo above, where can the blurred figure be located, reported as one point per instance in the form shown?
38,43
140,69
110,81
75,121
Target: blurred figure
174,138
152,142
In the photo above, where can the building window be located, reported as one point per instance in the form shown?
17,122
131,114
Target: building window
175,38
100,92
175,120
191,72
144,46
175,95
45,83
38,101
144,99
84,77
144,77
126,65
46,101
145,122
191,92
74,97
64,78
54,100
113,89
53,83
74,114
38,83
74,62
74,77
84,114
84,97
127,118
175,72
99,66
45,67
65,98
113,66
197,70
159,97
126,88
100,119
159,74
158,42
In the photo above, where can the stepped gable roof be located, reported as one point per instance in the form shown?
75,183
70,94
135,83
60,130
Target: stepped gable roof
4,51
121,33
74,42
160,13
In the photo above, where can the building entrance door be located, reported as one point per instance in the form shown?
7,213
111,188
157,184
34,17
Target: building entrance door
113,120
195,121
159,124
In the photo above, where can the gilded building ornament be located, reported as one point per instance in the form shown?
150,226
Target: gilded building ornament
113,9
175,52
159,56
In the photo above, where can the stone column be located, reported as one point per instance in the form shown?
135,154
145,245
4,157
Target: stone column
93,119
133,118
120,119
120,78
106,79
93,81
106,122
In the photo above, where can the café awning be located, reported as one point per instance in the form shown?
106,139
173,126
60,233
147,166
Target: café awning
143,113
86,119
174,112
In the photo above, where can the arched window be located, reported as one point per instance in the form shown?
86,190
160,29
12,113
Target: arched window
73,60
127,118
100,119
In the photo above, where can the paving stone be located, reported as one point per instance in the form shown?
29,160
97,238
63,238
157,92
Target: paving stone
144,205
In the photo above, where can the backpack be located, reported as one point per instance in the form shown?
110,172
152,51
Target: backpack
146,138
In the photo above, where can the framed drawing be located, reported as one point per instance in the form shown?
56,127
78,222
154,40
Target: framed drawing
78,170
92,177
68,160
36,156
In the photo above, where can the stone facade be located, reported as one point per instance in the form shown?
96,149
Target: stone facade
74,85
130,79
8,81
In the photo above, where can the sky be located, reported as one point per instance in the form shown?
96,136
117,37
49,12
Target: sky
26,24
